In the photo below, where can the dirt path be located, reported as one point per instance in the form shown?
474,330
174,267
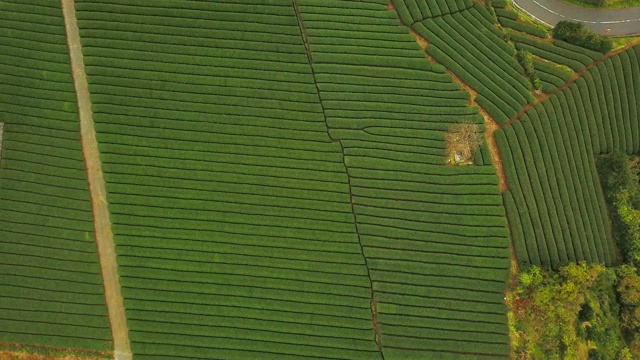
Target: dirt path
490,124
575,77
102,224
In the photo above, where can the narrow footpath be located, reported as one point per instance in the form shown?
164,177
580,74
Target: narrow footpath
102,223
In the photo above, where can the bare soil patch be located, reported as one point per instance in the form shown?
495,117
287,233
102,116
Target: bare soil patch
422,42
11,351
491,127
391,6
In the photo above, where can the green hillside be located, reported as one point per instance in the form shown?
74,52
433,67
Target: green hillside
281,182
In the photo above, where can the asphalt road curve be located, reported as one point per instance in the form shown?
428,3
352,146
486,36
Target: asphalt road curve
615,22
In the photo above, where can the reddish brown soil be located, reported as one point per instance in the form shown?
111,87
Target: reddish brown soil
490,124
575,77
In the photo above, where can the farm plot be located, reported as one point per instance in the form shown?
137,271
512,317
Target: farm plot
230,203
559,52
412,11
551,75
555,204
50,281
434,237
469,44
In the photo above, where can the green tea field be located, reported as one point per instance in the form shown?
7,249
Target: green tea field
50,279
278,174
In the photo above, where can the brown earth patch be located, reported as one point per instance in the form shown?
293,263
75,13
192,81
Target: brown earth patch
391,6
12,351
491,127
23,355
422,42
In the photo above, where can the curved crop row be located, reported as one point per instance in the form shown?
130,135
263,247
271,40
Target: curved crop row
52,293
522,27
224,188
556,207
443,221
412,11
560,55
486,64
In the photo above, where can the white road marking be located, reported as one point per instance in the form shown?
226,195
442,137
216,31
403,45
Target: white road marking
567,17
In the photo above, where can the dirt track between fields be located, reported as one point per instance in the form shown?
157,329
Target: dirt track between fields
102,223
490,124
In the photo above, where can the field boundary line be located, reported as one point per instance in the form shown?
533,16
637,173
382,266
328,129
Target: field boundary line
1,136
490,124
373,304
392,7
102,223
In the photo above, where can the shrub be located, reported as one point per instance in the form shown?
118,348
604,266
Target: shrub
619,176
578,34
463,140
526,60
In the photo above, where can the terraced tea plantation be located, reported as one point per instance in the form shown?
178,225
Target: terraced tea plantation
230,204
276,175
468,43
50,279
555,196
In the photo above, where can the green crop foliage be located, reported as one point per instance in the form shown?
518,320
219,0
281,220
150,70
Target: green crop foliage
52,292
559,140
226,190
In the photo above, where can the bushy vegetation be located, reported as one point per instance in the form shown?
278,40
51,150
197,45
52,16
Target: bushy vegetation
571,314
628,289
578,34
619,174
586,311
526,60
598,3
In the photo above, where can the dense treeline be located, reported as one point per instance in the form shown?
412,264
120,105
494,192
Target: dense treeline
580,312
619,176
578,34
586,311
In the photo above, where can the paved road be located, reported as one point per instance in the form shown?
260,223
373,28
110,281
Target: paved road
621,22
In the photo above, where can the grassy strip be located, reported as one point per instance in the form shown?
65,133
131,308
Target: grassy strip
9,351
